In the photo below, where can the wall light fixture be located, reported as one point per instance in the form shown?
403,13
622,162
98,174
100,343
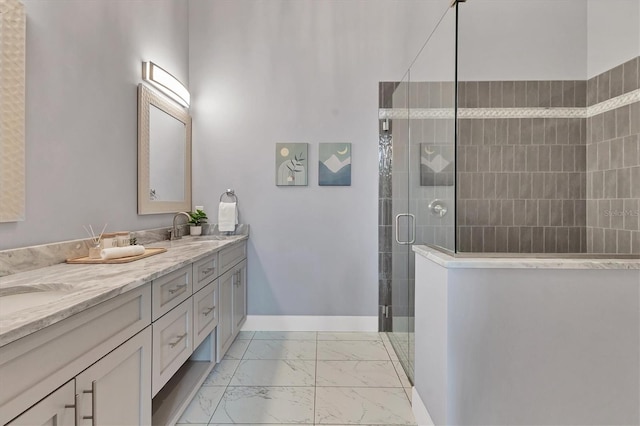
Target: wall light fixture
166,83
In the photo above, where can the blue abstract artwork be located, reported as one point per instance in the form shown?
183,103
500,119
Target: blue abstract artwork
334,164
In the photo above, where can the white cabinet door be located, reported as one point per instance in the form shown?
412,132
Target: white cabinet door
55,410
225,312
116,390
239,296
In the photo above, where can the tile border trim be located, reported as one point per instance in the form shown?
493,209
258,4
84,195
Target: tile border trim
480,113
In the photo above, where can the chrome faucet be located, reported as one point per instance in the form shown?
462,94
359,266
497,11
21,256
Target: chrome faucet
174,234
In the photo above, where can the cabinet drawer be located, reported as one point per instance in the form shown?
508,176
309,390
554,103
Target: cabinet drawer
53,410
205,312
204,271
232,256
172,343
170,290
68,347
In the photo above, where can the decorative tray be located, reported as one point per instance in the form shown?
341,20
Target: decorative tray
147,252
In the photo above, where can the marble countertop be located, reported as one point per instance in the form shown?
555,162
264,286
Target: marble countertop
82,286
523,262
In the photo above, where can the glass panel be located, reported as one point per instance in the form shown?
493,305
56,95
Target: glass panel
400,206
522,128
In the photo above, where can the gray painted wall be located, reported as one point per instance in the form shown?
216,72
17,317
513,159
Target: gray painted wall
83,66
544,347
613,33
523,40
272,71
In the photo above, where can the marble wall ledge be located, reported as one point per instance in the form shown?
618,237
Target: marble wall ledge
84,286
483,262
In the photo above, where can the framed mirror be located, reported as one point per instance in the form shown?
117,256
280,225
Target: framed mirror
12,111
164,154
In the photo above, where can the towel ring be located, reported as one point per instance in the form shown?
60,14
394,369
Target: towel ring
229,193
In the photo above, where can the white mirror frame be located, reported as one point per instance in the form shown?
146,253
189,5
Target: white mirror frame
147,97
12,111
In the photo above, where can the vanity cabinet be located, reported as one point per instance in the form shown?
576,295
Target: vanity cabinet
233,306
117,389
38,364
136,359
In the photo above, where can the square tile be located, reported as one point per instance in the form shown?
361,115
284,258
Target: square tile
237,349
381,374
203,405
285,335
279,405
349,350
274,372
222,373
281,349
347,335
389,406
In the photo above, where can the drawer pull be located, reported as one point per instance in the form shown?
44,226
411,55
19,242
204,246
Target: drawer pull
237,278
208,311
76,405
177,288
93,392
174,344
208,270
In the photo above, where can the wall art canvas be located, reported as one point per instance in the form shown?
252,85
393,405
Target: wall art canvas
334,165
436,165
291,164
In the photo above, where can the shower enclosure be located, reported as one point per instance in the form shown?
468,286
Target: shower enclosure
508,134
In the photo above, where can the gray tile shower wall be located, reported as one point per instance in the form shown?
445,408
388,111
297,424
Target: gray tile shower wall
613,164
522,181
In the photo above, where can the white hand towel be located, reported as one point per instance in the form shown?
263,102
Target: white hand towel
118,252
227,217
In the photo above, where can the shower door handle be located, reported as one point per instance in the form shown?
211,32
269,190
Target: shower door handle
413,229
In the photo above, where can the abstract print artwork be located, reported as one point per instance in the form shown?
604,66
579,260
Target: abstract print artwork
291,164
334,165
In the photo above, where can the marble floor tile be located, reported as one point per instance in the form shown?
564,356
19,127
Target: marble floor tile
375,406
347,350
237,349
222,373
275,372
245,335
203,405
349,335
401,374
285,335
280,405
281,349
357,373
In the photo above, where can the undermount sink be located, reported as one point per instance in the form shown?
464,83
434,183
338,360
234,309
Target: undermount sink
18,298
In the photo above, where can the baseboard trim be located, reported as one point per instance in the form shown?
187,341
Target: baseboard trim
310,323
420,411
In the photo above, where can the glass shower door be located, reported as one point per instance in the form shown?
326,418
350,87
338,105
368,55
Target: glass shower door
424,168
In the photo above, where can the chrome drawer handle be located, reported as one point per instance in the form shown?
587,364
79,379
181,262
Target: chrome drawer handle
94,396
208,270
76,405
174,344
208,311
177,288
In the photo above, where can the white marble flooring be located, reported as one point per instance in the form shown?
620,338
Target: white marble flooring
305,378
